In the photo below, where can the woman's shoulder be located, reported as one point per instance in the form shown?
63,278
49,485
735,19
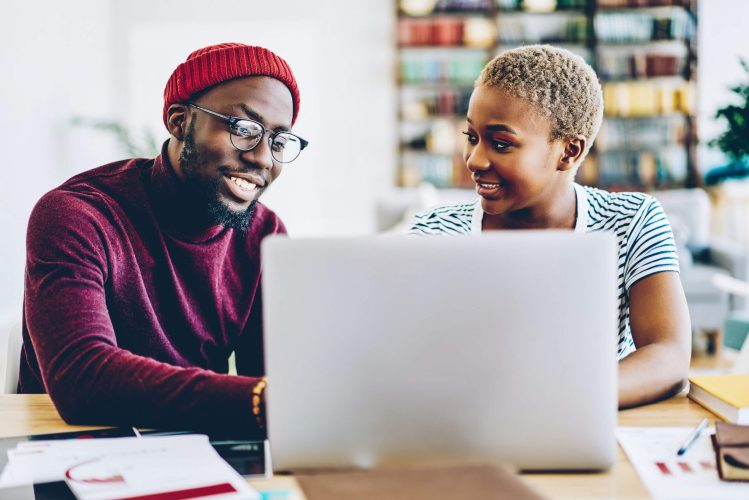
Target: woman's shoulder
605,205
454,218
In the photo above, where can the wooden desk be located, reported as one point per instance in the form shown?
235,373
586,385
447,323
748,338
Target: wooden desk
35,414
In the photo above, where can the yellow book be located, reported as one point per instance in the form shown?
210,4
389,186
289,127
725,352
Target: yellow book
725,395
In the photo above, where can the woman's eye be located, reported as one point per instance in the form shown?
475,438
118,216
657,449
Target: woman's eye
470,137
500,145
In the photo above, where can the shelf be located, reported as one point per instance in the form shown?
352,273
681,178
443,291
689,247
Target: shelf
645,58
618,150
644,46
569,44
558,12
666,79
655,10
665,116
635,45
433,118
456,15
438,84
442,49
424,152
580,48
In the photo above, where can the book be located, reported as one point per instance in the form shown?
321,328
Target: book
731,443
725,395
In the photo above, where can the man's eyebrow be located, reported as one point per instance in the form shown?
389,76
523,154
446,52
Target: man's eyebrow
258,117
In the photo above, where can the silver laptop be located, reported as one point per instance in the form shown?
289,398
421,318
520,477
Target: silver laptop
386,350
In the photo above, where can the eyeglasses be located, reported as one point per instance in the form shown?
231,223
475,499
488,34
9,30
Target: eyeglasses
246,134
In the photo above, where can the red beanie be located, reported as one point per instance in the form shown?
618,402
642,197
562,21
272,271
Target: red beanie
214,64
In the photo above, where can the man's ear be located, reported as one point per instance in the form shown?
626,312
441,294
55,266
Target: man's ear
574,148
176,121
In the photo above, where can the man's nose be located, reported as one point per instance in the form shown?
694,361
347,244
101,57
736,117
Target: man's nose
260,156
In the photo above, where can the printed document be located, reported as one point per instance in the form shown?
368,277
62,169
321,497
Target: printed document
693,475
184,466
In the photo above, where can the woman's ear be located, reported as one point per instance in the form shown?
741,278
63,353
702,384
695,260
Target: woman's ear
574,149
176,121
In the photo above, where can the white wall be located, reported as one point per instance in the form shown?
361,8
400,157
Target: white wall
55,65
109,59
342,55
723,38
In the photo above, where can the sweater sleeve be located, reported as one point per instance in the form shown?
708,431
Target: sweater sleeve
88,377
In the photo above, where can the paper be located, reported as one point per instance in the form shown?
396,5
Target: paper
693,475
186,466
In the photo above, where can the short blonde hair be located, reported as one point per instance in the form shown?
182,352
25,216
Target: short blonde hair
558,83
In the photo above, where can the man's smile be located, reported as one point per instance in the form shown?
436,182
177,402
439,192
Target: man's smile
244,187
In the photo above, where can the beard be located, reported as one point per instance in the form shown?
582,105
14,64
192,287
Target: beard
207,190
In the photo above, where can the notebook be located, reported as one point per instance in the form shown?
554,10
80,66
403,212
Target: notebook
725,395
486,482
384,350
731,444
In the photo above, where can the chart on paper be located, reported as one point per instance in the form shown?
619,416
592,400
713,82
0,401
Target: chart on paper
652,451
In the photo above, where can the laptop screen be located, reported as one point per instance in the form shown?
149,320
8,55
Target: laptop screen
392,349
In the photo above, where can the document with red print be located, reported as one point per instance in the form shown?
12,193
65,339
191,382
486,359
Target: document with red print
183,466
665,474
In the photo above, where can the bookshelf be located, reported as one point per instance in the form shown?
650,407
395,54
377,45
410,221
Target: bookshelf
644,52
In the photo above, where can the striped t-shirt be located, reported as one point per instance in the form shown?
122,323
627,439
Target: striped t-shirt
643,234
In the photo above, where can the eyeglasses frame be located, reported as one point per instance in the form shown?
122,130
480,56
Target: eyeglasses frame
232,122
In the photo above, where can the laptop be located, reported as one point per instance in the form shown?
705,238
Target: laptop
397,349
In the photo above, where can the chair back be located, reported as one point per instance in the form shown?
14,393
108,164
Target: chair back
689,212
11,341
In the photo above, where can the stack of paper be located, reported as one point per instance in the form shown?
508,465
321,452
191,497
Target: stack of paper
184,466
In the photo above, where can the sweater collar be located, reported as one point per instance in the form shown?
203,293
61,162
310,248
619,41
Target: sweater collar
177,211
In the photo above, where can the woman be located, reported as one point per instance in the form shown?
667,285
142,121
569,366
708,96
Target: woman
532,118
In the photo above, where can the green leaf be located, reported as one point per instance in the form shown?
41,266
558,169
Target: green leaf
734,141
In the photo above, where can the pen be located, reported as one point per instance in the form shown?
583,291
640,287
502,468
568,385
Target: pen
692,437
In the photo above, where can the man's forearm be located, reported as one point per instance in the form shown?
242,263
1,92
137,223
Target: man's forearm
109,386
651,373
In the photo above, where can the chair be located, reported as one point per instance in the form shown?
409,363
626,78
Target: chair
702,258
11,342
736,326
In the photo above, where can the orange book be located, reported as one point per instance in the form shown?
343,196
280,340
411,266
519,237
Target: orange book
725,395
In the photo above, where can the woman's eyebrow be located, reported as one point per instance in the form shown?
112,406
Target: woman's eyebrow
497,127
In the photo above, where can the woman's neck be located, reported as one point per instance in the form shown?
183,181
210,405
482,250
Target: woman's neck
559,213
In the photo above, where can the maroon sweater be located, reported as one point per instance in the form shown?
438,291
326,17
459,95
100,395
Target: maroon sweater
130,314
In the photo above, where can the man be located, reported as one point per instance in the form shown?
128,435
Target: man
143,276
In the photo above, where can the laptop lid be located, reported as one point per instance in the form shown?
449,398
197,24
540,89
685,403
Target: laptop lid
390,349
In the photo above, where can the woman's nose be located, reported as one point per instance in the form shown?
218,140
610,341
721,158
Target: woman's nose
476,159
